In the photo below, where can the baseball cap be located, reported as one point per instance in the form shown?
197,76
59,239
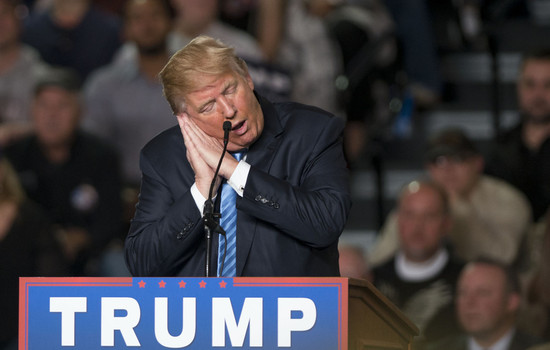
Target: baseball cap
451,142
66,79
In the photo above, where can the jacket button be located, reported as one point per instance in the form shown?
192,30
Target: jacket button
180,235
258,198
276,205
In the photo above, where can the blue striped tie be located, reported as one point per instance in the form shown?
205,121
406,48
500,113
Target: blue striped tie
228,221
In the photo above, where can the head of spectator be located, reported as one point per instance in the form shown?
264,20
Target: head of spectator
69,13
353,263
55,111
488,299
533,89
423,220
454,162
10,25
195,16
147,23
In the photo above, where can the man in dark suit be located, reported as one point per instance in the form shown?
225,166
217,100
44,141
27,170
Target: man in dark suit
292,186
488,299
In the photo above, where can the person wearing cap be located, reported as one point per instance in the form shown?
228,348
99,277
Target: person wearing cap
73,175
19,66
490,217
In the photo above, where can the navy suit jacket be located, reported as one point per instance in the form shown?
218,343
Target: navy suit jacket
295,204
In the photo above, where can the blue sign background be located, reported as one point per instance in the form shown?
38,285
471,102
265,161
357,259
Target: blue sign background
41,329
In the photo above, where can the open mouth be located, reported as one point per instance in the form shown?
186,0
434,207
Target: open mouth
239,128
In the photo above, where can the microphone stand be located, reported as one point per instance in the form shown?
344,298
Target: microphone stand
209,218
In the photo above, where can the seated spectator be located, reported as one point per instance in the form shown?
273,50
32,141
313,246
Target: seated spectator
420,278
488,299
71,174
490,217
365,40
309,54
73,34
545,346
521,156
124,100
535,314
27,248
353,262
196,17
19,67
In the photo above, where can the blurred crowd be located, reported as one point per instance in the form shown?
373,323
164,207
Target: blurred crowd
80,97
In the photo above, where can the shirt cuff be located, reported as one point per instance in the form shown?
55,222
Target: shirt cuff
198,197
238,180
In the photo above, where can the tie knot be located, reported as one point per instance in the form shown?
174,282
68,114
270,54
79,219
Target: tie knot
238,155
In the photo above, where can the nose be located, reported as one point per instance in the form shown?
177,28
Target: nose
227,109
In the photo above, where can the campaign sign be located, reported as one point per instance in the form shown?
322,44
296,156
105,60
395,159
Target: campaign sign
183,313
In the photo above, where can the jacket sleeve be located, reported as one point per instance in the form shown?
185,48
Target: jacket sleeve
166,230
309,200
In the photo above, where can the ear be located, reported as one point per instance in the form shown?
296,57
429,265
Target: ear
514,301
249,81
479,163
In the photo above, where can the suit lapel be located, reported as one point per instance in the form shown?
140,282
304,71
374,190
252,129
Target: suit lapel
260,156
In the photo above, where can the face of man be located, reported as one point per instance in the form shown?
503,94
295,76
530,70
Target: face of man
457,176
227,97
147,24
422,223
484,305
55,114
196,15
9,26
534,90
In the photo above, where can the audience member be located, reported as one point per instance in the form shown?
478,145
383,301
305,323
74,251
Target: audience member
545,346
420,278
73,34
71,174
521,156
27,248
418,49
196,17
263,19
535,314
490,217
353,262
310,56
488,300
19,66
124,100
366,43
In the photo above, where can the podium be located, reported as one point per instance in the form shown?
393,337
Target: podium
374,322
331,313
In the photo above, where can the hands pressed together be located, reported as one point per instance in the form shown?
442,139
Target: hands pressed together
203,153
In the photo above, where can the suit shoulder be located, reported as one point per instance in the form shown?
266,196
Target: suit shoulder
294,112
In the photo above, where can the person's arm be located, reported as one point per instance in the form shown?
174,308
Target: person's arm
313,206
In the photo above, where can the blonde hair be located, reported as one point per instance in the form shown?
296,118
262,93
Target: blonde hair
186,68
10,186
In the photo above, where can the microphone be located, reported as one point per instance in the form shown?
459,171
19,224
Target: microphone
226,128
210,224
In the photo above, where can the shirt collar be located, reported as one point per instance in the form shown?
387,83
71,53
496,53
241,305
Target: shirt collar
502,344
415,272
